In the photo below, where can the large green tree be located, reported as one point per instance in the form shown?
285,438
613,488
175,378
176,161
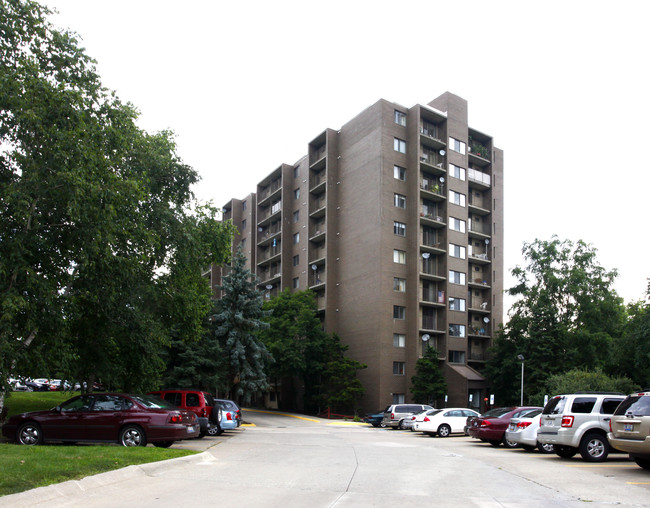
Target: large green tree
101,241
309,365
565,317
631,351
237,323
429,383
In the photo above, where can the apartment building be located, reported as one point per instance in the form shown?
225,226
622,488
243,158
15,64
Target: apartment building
395,221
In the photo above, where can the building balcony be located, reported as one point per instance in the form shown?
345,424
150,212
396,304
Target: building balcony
433,162
478,206
317,185
479,305
266,258
267,237
476,357
478,283
433,219
268,217
479,331
269,193
480,258
478,179
270,279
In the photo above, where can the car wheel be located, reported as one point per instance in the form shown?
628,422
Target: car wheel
163,444
644,463
401,425
494,442
566,452
444,430
509,444
132,435
545,447
594,448
528,447
29,434
215,430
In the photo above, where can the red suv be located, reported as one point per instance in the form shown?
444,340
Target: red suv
201,403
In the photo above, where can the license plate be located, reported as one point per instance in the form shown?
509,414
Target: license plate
190,429
512,426
628,427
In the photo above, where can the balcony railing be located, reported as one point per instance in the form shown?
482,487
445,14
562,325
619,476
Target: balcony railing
432,186
432,158
478,176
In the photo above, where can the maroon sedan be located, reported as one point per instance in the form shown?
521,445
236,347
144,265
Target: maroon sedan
130,420
491,426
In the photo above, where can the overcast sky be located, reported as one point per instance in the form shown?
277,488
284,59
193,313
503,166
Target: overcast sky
562,86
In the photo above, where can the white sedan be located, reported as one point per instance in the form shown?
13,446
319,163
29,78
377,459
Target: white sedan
523,432
443,421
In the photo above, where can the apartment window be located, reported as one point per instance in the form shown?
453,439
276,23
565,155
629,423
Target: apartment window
399,284
399,256
457,304
457,172
399,368
399,201
399,145
296,171
456,277
456,198
296,238
456,224
399,340
296,282
456,251
296,216
456,330
243,243
399,312
243,224
296,193
275,207
456,356
400,118
399,228
398,398
296,260
399,173
243,206
456,145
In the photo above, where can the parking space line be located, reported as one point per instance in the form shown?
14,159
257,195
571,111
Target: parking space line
638,483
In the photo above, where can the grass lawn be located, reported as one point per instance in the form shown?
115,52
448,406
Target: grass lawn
27,467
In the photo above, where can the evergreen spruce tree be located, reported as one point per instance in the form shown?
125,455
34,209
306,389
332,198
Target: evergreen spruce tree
236,322
429,383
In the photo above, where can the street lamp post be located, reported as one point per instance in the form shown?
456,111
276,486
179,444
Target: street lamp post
521,359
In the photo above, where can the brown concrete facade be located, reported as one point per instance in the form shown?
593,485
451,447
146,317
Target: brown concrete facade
395,221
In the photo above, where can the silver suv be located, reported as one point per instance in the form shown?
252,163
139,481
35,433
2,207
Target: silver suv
395,413
630,428
579,422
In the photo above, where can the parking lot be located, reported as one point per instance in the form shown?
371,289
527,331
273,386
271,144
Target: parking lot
291,460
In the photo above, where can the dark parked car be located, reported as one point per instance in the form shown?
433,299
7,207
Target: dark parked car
491,426
201,403
375,419
130,420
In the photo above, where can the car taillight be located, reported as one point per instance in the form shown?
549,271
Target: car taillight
175,418
426,419
567,421
392,416
203,412
485,423
523,425
610,425
412,418
229,416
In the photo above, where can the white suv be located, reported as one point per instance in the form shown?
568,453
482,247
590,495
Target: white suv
579,422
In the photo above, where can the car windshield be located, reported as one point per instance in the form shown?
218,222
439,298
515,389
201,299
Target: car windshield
153,402
497,412
637,405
